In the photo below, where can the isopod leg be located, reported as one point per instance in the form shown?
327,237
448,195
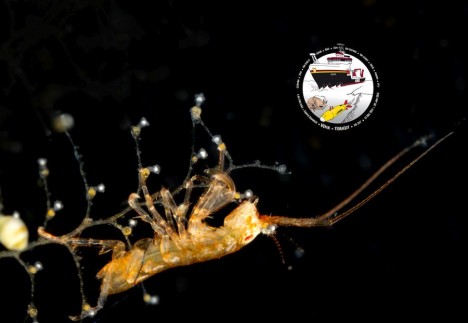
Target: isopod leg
133,202
116,246
158,223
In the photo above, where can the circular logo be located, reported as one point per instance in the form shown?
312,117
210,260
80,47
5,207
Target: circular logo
338,88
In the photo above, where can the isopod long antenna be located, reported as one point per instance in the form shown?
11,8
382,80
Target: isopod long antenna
331,217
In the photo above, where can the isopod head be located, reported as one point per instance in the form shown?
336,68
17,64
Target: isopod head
243,223
14,234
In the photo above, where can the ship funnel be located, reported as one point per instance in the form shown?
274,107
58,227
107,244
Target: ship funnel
314,58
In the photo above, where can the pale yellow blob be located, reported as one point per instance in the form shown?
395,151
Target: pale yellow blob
14,234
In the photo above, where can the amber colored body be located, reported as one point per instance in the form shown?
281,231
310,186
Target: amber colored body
149,257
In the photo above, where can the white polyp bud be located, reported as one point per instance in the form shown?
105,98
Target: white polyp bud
299,252
248,194
143,123
132,223
217,139
15,215
155,169
58,205
44,172
423,140
91,312
282,169
151,299
63,122
199,99
270,229
202,154
42,162
38,265
101,188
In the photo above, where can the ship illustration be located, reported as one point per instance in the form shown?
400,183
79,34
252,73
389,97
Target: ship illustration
337,71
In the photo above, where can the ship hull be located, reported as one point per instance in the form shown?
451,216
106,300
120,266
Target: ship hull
332,78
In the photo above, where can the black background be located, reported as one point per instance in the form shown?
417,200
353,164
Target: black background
108,63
